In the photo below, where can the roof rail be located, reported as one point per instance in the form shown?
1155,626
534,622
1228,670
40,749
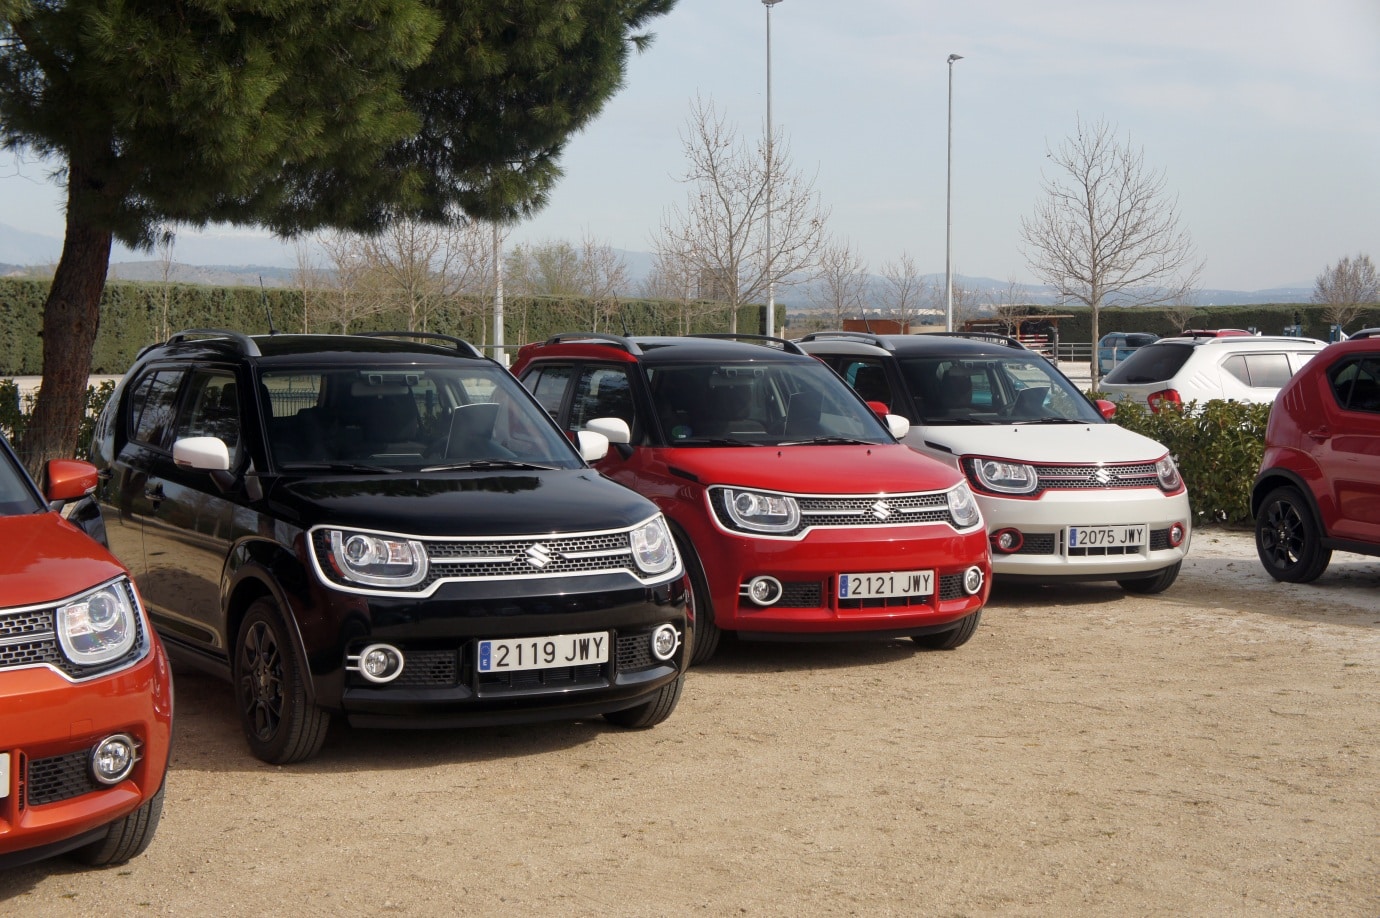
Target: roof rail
765,340
597,338
460,343
1364,333
994,337
244,342
864,337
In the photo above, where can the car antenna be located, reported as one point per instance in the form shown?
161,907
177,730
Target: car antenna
263,295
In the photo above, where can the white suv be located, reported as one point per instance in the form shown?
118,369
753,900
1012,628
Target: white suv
1065,494
1176,371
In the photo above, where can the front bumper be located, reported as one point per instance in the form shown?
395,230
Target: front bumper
48,727
1043,524
809,570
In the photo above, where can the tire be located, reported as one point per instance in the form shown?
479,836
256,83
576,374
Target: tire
953,638
707,634
652,712
281,726
126,837
1157,583
1288,538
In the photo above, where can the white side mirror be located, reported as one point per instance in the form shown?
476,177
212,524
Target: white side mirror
898,425
616,429
206,454
593,445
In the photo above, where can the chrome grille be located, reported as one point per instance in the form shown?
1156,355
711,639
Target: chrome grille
1088,477
856,510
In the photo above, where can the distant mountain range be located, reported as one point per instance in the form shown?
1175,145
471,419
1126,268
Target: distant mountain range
243,259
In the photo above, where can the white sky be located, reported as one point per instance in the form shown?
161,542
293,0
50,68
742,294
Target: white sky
1264,116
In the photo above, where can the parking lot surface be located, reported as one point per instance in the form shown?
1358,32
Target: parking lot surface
1209,751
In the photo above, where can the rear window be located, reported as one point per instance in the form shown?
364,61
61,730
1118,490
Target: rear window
1150,364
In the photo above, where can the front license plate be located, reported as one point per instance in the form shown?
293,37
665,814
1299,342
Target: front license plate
543,652
883,586
1107,536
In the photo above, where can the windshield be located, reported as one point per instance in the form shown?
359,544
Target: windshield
16,496
759,404
407,419
1150,364
994,389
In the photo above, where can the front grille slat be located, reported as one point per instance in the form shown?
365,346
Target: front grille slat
853,511
60,777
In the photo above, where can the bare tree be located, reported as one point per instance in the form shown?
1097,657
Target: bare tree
1181,315
603,277
423,268
307,278
673,279
164,240
722,228
840,282
1107,228
904,291
546,268
353,293
1347,289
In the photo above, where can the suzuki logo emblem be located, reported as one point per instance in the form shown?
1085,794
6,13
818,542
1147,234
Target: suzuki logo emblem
1102,477
881,510
538,555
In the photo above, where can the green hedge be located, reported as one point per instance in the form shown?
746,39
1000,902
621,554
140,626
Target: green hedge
1218,446
1266,318
132,316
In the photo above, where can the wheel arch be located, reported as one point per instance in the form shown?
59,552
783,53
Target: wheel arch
255,572
1270,479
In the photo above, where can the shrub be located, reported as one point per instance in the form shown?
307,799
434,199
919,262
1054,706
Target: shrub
1218,445
15,416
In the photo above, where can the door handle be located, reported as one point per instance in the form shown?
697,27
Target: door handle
154,493
1321,434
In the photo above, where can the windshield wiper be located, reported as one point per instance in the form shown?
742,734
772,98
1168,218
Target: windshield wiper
489,464
956,420
337,467
713,441
1051,420
828,441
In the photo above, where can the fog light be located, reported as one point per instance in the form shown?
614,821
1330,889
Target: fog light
1007,541
665,640
764,590
972,580
378,663
1176,535
113,759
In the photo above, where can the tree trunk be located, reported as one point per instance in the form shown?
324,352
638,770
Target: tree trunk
71,318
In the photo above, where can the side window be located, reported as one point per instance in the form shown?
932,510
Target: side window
868,379
548,384
1356,385
1267,370
601,392
1236,366
153,405
212,409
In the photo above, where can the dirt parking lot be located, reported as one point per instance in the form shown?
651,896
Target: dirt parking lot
1211,751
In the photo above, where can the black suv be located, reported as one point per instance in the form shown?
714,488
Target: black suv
386,527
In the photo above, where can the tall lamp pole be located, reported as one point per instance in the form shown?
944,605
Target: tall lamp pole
949,209
769,314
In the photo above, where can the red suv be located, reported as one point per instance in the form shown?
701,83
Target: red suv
85,692
1319,482
798,513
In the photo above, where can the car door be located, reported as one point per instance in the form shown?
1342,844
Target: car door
1349,446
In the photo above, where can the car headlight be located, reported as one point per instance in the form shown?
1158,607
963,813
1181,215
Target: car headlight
1005,477
378,560
963,507
1168,474
756,511
653,548
99,626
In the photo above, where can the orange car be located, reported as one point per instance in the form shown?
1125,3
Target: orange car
85,691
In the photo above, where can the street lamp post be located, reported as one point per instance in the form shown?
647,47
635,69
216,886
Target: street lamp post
769,314
949,209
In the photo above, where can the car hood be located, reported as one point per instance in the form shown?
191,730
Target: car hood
880,468
1041,443
507,503
47,559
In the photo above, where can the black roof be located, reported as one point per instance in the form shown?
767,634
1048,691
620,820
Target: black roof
653,349
212,343
912,345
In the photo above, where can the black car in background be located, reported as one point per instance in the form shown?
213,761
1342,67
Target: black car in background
387,528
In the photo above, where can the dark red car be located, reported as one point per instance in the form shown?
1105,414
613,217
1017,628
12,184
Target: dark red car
85,692
1319,484
798,513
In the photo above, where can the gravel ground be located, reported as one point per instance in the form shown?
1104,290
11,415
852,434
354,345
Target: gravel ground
1210,751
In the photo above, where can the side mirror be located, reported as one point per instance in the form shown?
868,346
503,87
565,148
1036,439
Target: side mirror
898,425
882,409
69,479
205,454
616,429
1107,408
593,445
